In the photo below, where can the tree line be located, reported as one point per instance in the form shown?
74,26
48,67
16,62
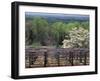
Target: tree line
40,32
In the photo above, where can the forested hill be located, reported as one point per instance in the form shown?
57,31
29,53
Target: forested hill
58,17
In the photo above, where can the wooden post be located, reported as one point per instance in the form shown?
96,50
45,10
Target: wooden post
29,60
32,58
80,57
45,59
67,58
85,56
77,55
72,58
58,59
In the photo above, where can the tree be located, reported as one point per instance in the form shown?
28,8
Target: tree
40,30
85,25
72,25
58,31
79,38
28,33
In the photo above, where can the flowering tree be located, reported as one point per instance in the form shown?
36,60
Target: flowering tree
78,37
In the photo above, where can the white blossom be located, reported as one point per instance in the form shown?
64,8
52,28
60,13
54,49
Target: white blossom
79,37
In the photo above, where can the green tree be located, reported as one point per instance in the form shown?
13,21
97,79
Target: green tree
28,33
59,31
85,25
40,30
72,25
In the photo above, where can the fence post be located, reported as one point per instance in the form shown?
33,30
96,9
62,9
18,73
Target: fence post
71,58
66,59
32,58
58,60
30,62
45,59
85,56
80,56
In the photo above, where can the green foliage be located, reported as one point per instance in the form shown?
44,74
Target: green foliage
59,31
28,33
36,44
72,25
85,25
40,32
